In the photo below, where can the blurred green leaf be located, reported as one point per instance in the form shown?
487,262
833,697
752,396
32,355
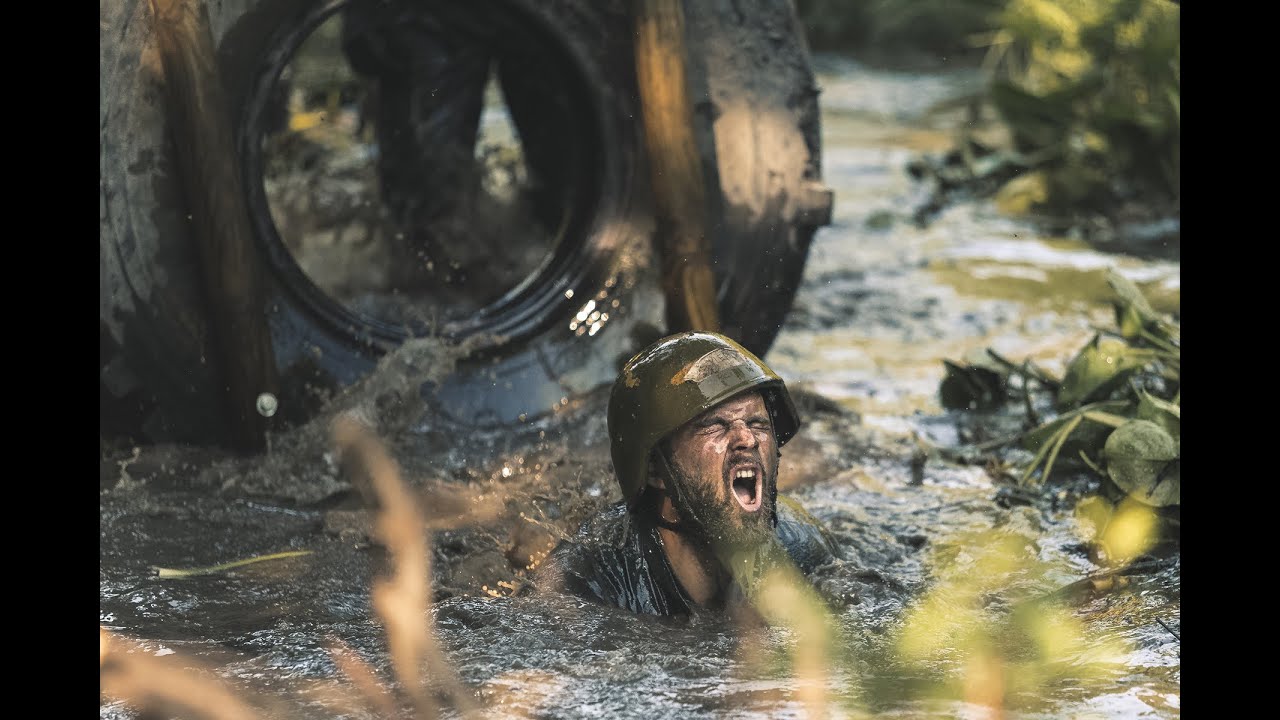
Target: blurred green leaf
1161,412
1142,459
1099,367
1133,312
1108,70
1037,122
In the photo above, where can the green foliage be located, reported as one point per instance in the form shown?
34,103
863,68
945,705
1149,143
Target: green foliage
1093,88
1118,401
1090,89
835,25
979,384
1101,366
1142,460
896,26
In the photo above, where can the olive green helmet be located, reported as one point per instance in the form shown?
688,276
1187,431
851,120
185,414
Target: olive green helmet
672,382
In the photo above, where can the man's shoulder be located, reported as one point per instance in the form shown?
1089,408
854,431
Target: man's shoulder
609,527
806,538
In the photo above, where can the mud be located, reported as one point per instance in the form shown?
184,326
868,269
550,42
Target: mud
883,302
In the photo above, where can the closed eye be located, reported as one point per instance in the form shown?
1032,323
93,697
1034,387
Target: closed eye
713,426
720,427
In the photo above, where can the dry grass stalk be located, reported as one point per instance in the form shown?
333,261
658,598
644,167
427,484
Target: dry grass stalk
784,598
403,600
132,675
364,677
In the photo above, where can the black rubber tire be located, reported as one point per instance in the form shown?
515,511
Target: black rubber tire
760,134
158,379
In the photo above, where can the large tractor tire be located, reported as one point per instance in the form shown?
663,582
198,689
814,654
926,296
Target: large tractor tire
561,331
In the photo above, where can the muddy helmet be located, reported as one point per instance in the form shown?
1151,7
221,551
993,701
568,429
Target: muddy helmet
672,382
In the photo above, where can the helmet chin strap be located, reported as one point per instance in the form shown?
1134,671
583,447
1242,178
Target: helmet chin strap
673,487
773,494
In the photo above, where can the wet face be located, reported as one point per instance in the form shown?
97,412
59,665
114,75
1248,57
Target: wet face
729,459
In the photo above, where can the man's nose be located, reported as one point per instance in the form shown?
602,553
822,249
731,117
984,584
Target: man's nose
741,435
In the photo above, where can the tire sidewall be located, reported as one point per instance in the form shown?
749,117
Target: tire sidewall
156,340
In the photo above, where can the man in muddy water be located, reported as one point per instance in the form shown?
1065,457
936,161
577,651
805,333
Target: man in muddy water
696,425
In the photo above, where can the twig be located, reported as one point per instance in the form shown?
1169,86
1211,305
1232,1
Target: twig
1027,369
1092,581
1092,465
999,442
1040,454
191,572
1026,399
1062,439
1105,418
1159,342
1171,632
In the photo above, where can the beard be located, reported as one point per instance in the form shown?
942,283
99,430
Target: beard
720,522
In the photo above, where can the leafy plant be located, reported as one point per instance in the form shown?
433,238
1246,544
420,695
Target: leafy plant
1119,401
944,27
1091,88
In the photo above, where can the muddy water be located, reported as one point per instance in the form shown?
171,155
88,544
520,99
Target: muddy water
884,302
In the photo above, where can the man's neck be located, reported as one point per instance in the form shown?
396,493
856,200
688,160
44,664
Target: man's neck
694,564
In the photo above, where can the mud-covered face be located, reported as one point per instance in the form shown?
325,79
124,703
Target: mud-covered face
728,457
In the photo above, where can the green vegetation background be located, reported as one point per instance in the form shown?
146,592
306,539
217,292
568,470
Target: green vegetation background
1090,89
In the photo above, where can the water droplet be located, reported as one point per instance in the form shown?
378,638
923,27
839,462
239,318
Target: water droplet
267,404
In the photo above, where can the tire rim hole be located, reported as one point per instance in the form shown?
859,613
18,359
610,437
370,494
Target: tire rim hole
427,172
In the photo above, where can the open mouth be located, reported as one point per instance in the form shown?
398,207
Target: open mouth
746,485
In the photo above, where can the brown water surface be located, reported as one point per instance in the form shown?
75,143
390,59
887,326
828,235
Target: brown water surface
928,604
